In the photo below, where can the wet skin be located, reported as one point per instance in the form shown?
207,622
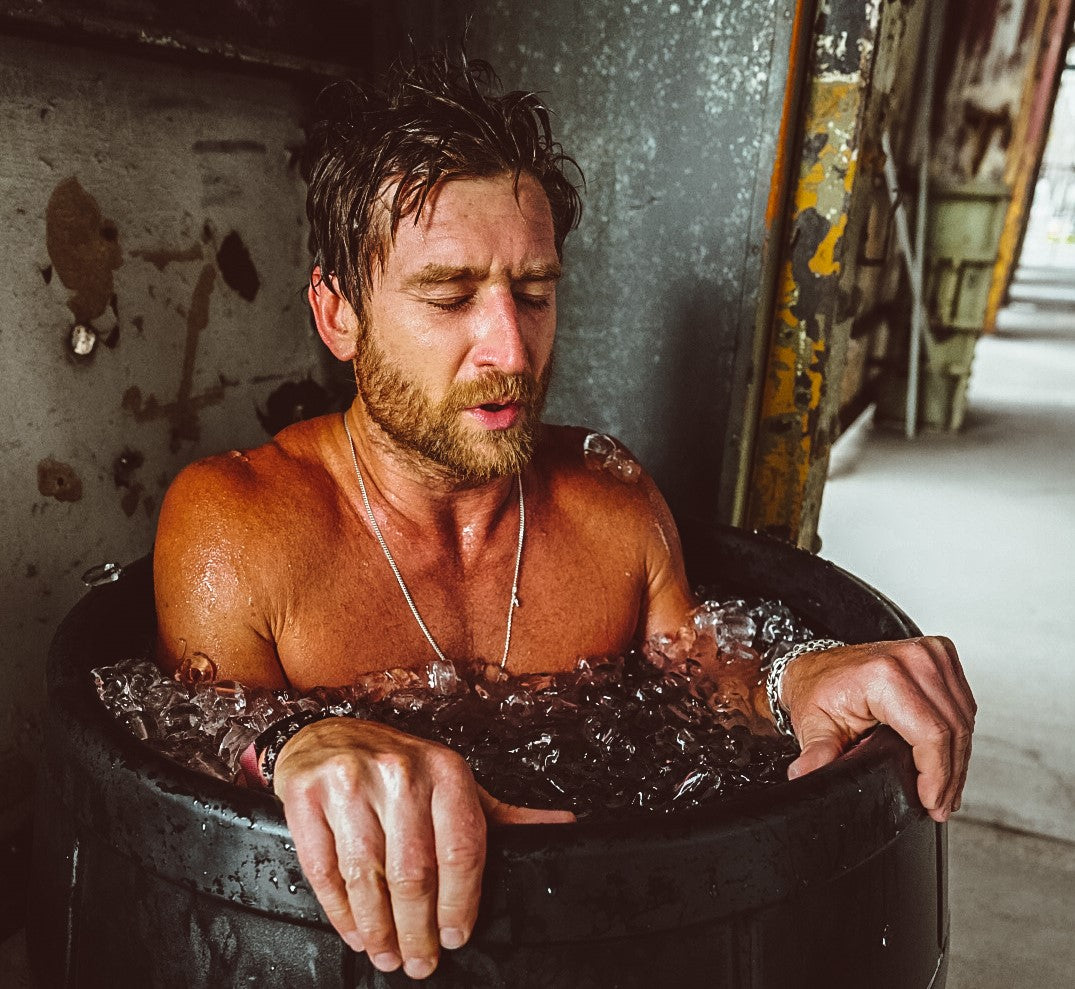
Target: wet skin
266,562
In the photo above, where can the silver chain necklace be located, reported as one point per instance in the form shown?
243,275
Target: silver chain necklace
512,605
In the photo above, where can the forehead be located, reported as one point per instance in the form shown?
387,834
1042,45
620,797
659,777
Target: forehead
489,223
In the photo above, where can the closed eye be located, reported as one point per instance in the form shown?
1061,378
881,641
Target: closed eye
450,305
536,302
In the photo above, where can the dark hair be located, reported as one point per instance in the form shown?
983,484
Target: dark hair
433,119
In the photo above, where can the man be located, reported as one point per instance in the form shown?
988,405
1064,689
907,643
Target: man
440,517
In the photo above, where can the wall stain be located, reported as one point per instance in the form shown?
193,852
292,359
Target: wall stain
183,412
237,267
293,402
58,480
83,247
161,257
124,467
46,274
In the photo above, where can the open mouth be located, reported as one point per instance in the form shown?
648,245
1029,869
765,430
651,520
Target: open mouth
493,406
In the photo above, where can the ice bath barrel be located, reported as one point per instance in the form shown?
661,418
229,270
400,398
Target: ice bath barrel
150,875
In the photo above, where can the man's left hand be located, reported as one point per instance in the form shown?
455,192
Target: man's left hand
916,686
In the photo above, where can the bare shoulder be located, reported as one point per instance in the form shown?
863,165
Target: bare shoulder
227,525
246,494
613,508
600,473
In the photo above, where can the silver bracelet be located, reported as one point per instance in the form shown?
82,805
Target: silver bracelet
775,679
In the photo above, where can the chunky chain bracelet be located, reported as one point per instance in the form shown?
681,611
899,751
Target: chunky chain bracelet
775,678
270,742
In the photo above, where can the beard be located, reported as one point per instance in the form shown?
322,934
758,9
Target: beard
436,431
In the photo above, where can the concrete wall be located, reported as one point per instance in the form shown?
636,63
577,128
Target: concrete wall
156,205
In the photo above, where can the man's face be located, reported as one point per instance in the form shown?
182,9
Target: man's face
455,351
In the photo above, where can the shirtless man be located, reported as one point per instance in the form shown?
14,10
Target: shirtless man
438,214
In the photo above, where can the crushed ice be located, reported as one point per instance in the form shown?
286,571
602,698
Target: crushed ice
664,728
601,452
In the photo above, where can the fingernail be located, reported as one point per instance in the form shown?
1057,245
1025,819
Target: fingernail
386,961
451,938
354,941
419,968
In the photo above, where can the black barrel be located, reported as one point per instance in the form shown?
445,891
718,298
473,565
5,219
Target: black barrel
150,875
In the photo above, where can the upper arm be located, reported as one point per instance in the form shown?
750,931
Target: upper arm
210,591
668,597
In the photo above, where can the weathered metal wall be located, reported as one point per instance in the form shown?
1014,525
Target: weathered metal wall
156,207
673,111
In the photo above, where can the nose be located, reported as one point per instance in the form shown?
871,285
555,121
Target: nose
500,343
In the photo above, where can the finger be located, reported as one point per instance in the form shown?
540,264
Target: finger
943,688
960,687
360,853
411,872
316,850
498,812
958,802
816,753
901,704
459,836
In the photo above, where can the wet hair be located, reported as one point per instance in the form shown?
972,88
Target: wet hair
434,118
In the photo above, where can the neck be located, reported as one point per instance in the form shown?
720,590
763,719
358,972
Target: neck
402,483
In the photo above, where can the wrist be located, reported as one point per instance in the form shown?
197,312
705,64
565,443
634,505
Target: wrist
774,680
271,742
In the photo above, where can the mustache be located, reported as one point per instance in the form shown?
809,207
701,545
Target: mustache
494,386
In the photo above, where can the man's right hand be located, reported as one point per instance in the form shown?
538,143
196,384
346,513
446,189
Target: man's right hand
390,831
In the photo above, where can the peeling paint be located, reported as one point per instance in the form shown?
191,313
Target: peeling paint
791,444
58,480
83,247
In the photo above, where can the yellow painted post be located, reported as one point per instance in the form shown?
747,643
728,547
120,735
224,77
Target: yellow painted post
811,323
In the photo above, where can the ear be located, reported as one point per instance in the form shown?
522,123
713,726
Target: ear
337,322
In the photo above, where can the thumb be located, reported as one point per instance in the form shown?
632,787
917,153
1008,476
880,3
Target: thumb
498,812
819,748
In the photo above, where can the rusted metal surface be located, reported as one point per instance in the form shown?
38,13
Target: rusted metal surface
1052,33
812,319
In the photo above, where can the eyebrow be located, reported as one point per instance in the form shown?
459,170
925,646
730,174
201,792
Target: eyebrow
439,274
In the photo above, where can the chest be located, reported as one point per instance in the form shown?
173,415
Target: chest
580,594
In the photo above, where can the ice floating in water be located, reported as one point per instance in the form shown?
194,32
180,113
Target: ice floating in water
657,730
601,452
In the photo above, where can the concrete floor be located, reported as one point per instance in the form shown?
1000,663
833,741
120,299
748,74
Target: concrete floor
974,536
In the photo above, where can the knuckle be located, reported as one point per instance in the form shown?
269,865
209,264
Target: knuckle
376,935
464,854
321,874
937,732
342,770
887,667
415,883
360,876
396,768
445,762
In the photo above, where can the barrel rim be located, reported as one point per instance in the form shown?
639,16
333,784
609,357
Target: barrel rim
787,813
